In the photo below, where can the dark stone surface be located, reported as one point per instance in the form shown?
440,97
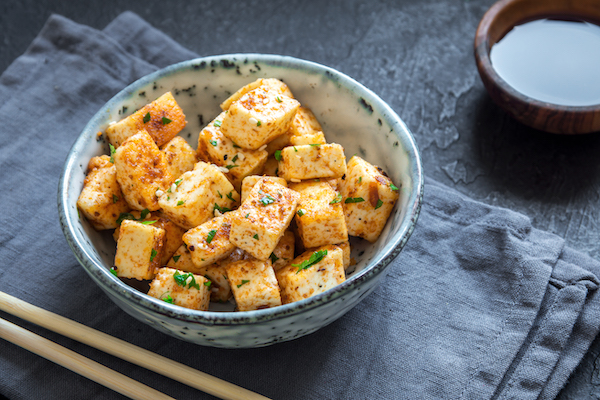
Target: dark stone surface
418,57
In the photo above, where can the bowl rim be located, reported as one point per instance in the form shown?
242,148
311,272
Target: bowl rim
495,83
108,282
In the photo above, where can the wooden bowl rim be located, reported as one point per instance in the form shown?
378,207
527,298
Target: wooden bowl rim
482,48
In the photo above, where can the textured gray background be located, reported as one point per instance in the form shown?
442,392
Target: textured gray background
418,57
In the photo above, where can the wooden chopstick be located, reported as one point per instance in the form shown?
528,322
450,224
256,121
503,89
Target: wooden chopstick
122,349
77,363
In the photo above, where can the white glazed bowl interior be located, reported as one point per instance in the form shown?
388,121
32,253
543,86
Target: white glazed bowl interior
350,114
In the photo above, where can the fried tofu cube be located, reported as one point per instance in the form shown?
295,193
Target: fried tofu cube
345,246
305,129
368,198
193,197
163,119
249,182
311,273
270,84
182,259
220,291
258,117
320,215
216,148
142,170
271,167
101,200
260,222
209,242
284,251
183,289
179,155
139,250
308,162
253,284
278,143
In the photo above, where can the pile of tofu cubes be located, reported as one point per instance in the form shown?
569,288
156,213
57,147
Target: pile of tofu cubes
260,213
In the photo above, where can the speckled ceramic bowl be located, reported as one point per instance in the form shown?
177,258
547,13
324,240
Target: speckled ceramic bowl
350,114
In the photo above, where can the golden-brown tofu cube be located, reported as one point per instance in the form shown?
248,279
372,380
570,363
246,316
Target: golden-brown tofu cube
368,198
249,182
180,156
163,119
139,250
263,217
142,170
253,284
311,273
101,200
306,129
218,149
182,259
284,251
181,288
192,199
209,242
258,117
270,84
271,167
220,291
320,215
309,162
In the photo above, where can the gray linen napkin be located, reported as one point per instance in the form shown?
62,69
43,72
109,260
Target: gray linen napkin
479,305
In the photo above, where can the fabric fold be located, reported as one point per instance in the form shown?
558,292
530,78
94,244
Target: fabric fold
479,305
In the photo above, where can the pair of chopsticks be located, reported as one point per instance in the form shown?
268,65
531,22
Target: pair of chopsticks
116,347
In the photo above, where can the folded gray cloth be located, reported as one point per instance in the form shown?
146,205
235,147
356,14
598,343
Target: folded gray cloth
479,305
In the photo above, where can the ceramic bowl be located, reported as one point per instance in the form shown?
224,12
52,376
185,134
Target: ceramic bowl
350,114
495,24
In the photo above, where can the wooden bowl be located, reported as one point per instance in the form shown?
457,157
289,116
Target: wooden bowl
496,23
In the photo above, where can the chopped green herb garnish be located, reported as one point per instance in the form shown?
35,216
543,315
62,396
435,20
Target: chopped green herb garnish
182,280
244,281
313,259
166,120
393,187
214,143
207,283
178,181
115,198
146,117
220,209
278,155
112,153
153,254
234,159
114,271
211,235
230,166
124,216
220,195
278,99
295,149
180,202
266,200
300,212
273,258
247,215
217,123
149,222
379,204
337,199
258,123
230,196
176,258
354,200
235,145
314,144
168,299
144,214
359,179
255,236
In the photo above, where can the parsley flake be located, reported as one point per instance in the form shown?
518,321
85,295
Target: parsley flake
247,215
166,121
278,99
337,199
244,281
354,200
148,222
220,209
211,235
314,144
217,123
300,212
112,153
313,259
230,166
168,299
182,280
153,254
258,123
114,271
236,146
176,258
255,236
295,149
273,258
379,204
278,155
180,202
266,200
230,197
393,187
359,179
115,198
146,117
234,159
220,195
214,143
